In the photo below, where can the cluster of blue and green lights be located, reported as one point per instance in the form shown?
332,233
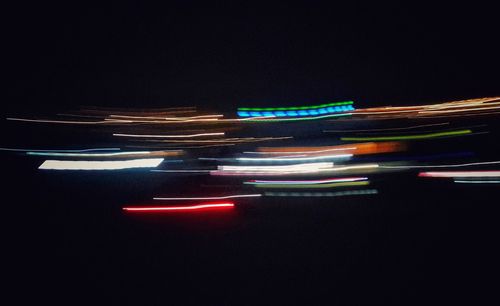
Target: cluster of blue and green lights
298,111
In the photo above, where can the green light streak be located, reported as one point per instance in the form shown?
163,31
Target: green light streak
294,107
408,137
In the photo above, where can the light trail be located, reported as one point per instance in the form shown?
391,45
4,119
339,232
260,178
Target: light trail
476,182
486,173
321,194
82,150
169,136
182,171
313,186
272,119
68,122
168,118
444,166
88,154
325,168
408,137
217,206
228,140
333,180
303,152
211,198
100,165
251,159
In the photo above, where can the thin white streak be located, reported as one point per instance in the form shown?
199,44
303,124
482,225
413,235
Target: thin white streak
84,150
444,166
211,198
69,122
170,136
477,182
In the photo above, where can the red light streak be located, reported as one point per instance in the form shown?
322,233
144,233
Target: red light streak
197,207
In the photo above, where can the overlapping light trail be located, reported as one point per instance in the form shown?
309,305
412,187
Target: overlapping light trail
322,110
297,169
455,108
222,158
306,184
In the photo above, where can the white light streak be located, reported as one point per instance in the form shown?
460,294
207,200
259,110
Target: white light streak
100,165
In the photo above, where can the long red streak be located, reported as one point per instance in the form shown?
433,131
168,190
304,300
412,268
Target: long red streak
221,205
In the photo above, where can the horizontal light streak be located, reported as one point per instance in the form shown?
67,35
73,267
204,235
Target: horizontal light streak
222,205
290,171
210,198
256,159
100,165
297,113
106,121
486,173
88,154
273,119
303,152
444,166
168,118
476,182
82,150
321,194
169,136
408,137
313,186
333,180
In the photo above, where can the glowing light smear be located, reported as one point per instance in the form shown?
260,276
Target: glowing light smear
476,182
314,186
460,174
296,113
321,194
87,154
271,159
306,169
357,149
207,206
210,198
333,180
100,165
408,137
273,119
169,136
444,166
76,151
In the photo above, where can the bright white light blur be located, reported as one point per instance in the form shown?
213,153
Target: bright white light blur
100,165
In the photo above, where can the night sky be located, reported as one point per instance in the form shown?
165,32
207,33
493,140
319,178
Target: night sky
68,241
229,55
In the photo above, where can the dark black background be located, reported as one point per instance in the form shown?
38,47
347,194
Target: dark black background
66,54
68,240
